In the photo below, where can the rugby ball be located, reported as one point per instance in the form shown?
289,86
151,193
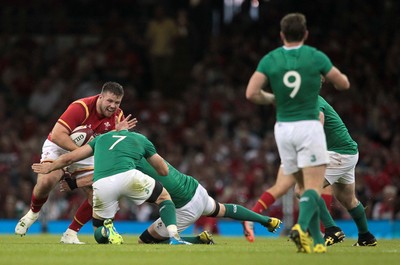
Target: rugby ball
81,135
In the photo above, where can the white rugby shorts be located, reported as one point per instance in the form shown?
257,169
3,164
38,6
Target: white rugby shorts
200,204
301,144
341,168
136,186
51,151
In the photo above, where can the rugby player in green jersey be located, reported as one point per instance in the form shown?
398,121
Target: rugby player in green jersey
340,174
293,73
192,201
188,195
116,155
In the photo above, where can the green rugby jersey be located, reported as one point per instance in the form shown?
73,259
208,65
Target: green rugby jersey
294,75
181,187
338,138
117,152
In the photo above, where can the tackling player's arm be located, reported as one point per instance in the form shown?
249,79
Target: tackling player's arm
64,160
255,92
69,183
159,164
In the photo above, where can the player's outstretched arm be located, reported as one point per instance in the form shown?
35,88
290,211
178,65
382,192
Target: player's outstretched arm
158,163
64,160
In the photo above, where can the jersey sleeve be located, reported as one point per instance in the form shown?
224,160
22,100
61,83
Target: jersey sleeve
92,143
74,116
324,63
262,65
149,147
322,104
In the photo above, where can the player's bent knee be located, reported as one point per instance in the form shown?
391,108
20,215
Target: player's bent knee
147,238
46,181
216,210
157,191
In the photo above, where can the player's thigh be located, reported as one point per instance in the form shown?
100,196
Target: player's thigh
313,177
138,187
51,151
282,184
185,217
200,204
106,193
189,213
283,132
88,191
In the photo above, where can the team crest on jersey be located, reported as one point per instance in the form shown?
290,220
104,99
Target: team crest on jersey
107,126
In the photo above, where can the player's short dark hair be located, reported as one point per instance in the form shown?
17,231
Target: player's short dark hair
113,87
294,27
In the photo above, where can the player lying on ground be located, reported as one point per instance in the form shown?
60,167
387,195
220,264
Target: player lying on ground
192,201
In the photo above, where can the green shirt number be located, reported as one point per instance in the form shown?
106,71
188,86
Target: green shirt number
294,83
116,142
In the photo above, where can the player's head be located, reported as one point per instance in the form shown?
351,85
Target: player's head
294,27
110,98
114,88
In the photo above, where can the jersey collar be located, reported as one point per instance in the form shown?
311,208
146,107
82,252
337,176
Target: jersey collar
292,48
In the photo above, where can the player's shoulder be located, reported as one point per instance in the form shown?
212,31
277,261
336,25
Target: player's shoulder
322,102
274,52
88,101
274,55
313,50
270,56
138,136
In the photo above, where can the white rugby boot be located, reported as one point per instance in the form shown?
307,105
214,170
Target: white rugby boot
71,237
25,222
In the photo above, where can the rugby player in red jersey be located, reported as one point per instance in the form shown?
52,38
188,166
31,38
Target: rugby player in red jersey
101,113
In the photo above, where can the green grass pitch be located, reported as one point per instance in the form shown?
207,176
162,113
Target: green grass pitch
45,249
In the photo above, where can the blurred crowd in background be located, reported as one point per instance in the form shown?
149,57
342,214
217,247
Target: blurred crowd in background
184,66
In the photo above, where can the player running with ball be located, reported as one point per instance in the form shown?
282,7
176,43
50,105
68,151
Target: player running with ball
100,113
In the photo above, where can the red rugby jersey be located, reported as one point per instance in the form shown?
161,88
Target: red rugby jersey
83,112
